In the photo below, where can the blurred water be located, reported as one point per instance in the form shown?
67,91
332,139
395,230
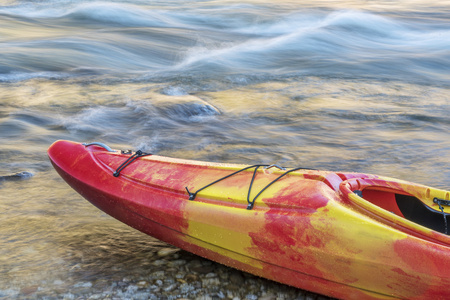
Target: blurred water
132,39
349,85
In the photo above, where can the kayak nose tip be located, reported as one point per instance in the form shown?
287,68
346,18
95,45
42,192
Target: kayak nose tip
59,149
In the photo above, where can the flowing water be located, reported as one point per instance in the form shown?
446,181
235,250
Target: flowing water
339,85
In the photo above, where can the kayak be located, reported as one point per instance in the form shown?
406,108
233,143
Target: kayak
344,235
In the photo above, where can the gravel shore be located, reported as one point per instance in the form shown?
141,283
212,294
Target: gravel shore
170,273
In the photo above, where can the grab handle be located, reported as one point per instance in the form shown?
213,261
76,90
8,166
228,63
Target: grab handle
99,144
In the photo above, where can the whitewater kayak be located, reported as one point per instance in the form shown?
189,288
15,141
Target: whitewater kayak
344,235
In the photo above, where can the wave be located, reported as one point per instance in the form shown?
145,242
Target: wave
343,42
122,14
158,112
110,13
130,38
21,76
346,34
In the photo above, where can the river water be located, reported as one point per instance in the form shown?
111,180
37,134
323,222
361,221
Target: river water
340,85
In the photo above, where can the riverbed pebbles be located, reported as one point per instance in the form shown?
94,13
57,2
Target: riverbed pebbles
173,274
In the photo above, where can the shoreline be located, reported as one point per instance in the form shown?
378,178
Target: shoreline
171,273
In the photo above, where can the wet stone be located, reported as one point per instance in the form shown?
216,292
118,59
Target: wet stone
203,269
171,270
142,284
58,282
176,263
170,288
191,277
132,289
211,275
158,275
193,264
221,295
233,287
236,277
186,288
82,288
204,297
159,262
155,289
210,282
167,251
29,290
169,281
68,296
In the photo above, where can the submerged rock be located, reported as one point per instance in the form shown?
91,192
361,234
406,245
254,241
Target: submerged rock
28,290
16,176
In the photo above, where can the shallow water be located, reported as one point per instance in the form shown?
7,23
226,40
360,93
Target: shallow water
350,85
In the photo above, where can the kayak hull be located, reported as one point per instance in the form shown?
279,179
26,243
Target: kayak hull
302,231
